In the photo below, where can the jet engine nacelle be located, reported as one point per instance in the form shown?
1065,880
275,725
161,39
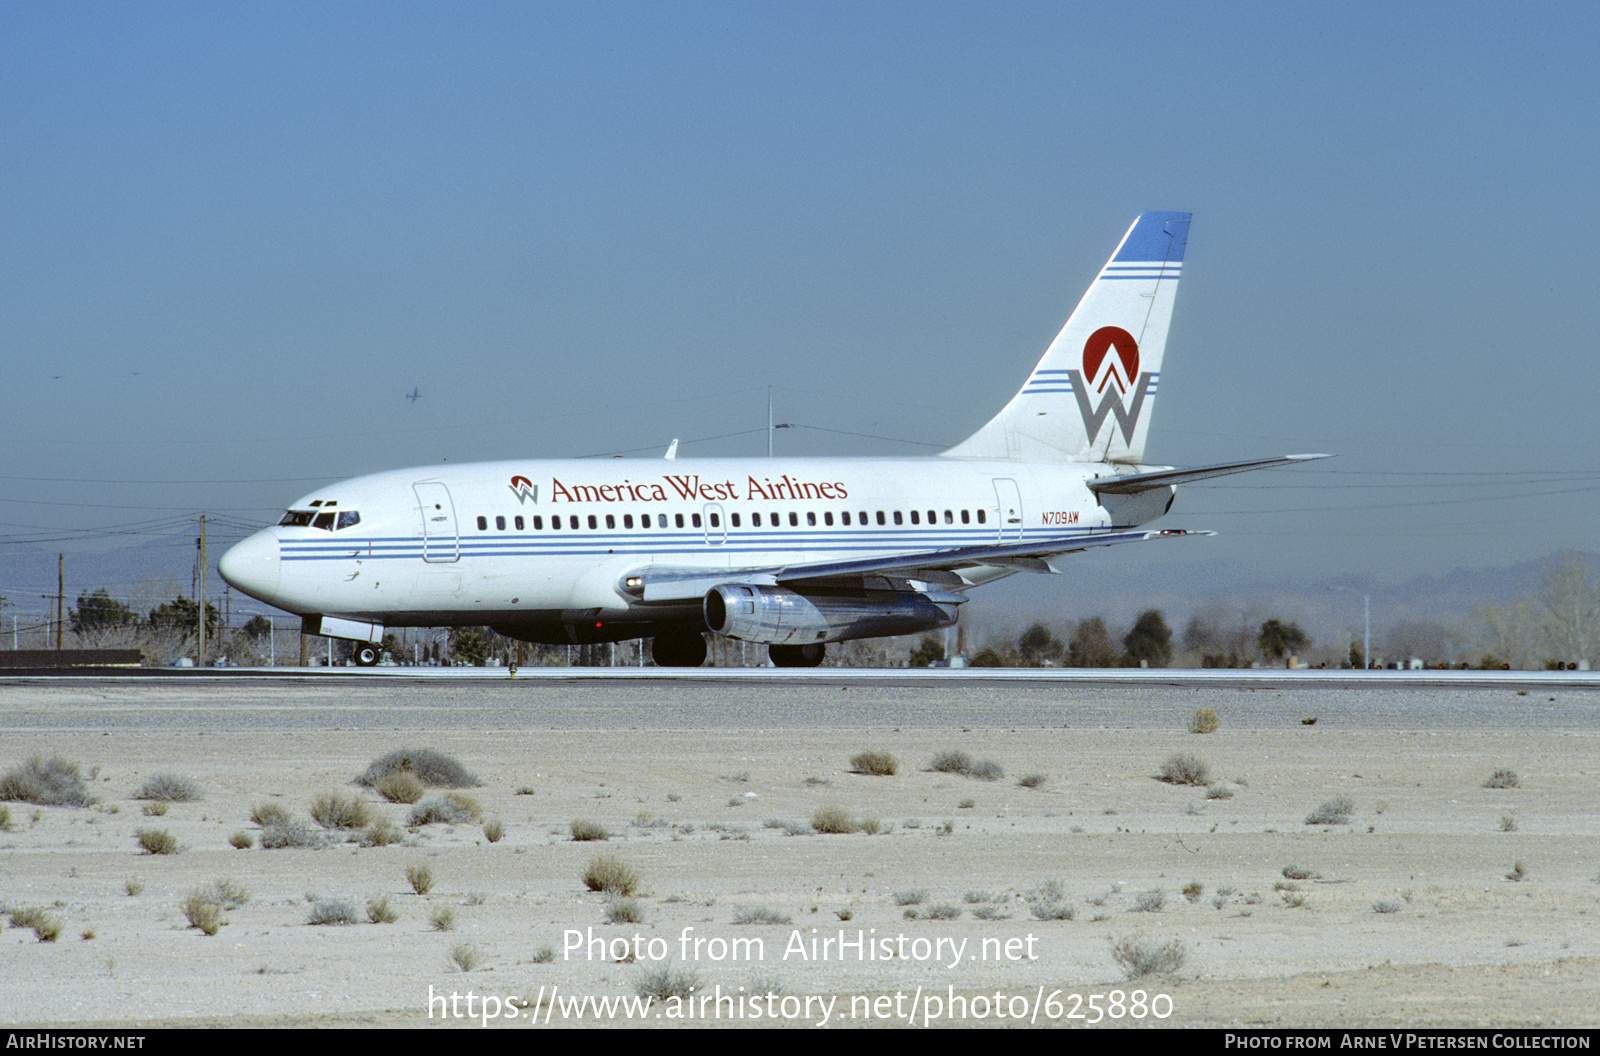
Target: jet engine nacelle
780,616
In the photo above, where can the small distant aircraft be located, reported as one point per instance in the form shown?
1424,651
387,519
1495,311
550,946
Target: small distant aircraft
792,553
414,395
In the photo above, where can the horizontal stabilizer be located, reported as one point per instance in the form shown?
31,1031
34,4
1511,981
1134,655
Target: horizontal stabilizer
1161,478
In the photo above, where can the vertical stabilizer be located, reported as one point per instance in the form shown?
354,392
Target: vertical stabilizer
1090,397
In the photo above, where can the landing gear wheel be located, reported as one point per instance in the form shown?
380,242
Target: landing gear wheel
365,654
797,655
678,649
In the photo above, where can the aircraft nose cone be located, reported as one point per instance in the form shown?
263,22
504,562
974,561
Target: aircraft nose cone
253,566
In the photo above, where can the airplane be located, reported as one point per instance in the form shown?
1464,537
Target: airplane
792,553
414,395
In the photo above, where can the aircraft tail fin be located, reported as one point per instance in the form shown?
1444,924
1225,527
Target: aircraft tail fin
1090,397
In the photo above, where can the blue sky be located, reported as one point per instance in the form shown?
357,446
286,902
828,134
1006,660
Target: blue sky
237,234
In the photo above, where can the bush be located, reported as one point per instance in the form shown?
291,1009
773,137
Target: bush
242,840
379,911
1335,811
1185,769
762,915
336,810
400,786
157,841
1032,781
465,957
1504,777
832,819
1204,720
426,765
1139,956
169,788
494,830
52,782
381,833
332,911
203,911
876,764
46,925
451,809
420,876
661,984
267,814
956,762
624,911
585,831
609,874
290,832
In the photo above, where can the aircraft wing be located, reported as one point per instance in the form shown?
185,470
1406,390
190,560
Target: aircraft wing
1137,482
928,566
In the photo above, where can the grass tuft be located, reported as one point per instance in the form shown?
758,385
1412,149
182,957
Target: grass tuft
399,786
420,876
1505,777
332,911
465,957
494,830
666,982
585,831
624,911
762,915
266,814
290,833
1204,720
379,910
157,841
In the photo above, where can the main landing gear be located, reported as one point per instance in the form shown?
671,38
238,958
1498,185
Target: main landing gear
678,649
365,654
797,655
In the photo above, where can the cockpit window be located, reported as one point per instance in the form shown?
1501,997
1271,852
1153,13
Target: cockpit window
324,520
347,518
296,519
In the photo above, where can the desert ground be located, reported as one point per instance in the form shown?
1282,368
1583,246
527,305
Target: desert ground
1437,901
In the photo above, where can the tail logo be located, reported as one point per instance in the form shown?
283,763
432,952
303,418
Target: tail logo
1114,377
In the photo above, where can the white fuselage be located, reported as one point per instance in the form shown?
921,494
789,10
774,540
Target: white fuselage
554,541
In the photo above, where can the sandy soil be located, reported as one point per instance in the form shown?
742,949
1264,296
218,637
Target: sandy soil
704,814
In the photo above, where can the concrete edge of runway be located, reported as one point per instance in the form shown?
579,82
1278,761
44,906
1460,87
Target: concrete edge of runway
1254,677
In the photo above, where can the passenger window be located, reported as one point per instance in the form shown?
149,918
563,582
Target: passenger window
661,520
949,518
555,523
694,519
846,516
538,524
932,519
594,522
483,524
518,523
611,521
677,519
966,516
572,522
981,518
499,524
794,520
811,518
349,518
734,517
914,518
827,518
716,520
880,517
755,521
627,520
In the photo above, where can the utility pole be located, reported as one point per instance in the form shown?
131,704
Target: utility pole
202,659
61,595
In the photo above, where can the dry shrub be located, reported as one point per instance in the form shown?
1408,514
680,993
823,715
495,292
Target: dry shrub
1185,769
242,840
1335,811
379,911
833,819
380,833
494,830
157,841
400,786
586,831
169,788
957,762
336,810
1204,720
453,808
666,982
420,876
1139,956
877,764
332,911
465,957
52,782
426,765
265,814
609,874
1505,777
46,925
203,911
291,833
